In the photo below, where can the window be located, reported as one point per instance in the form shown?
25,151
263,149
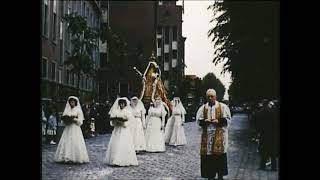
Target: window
87,14
44,68
166,36
74,7
81,81
159,43
72,79
53,71
159,30
166,57
166,66
75,79
174,33
83,9
68,77
45,18
89,84
174,54
90,20
54,31
86,83
160,3
61,53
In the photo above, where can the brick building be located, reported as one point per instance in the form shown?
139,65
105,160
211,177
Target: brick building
170,44
56,79
149,26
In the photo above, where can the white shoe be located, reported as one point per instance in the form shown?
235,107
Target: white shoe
52,142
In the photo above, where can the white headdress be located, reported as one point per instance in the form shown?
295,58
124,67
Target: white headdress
67,108
177,101
139,104
162,105
115,107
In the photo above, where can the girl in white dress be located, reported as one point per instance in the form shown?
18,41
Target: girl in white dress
120,151
155,127
174,133
71,147
138,124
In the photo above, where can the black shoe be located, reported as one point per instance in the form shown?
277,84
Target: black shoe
273,169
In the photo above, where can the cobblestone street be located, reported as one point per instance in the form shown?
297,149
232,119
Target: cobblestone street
176,163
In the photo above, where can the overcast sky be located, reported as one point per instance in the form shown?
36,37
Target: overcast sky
198,47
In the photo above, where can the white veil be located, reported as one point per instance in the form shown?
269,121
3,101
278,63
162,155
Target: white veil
162,105
67,108
139,104
115,107
179,104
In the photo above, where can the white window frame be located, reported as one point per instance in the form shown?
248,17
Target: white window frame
166,48
54,6
174,45
158,51
61,31
166,66
174,63
60,76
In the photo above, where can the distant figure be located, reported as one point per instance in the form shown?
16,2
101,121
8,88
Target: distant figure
43,122
269,135
174,132
52,127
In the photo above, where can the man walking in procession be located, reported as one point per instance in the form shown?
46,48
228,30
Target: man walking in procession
214,117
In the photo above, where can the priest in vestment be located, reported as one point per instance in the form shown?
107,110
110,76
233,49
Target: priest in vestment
214,118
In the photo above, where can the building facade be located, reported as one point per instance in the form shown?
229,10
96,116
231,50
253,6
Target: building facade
104,72
135,23
149,26
57,81
170,44
191,95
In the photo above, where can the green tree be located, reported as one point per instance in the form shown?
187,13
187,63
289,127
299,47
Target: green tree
84,41
211,81
246,40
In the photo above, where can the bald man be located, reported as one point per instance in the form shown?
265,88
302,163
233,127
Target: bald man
214,118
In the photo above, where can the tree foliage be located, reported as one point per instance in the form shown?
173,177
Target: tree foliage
84,41
246,39
210,81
